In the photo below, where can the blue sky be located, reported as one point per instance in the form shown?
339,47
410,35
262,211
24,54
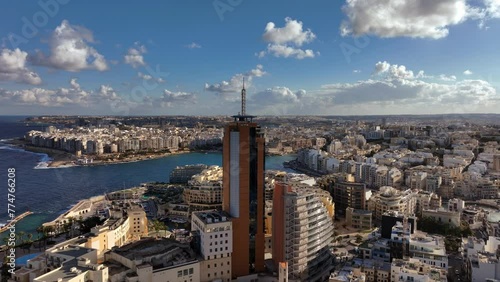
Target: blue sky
298,57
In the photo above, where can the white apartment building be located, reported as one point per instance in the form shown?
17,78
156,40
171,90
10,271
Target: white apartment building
417,180
303,231
426,200
216,244
204,191
428,249
116,232
456,205
496,163
153,260
482,259
391,199
433,183
414,270
444,216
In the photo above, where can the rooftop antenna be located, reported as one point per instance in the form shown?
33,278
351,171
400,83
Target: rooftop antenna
243,99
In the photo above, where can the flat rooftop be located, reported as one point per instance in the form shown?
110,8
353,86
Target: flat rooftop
364,212
209,217
159,253
71,251
69,270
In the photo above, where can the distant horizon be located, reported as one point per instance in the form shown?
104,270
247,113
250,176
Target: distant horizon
255,116
190,58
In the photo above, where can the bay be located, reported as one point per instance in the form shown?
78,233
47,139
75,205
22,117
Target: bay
49,192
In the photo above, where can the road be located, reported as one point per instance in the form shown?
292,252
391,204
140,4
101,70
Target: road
456,269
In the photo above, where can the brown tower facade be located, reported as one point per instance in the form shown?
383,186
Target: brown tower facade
243,193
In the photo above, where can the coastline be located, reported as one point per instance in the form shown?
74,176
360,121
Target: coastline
13,222
60,159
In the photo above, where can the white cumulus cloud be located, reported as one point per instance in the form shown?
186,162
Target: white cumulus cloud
170,98
70,50
444,77
278,95
467,72
284,51
134,56
393,71
74,95
144,76
286,41
13,67
398,89
415,19
257,72
230,89
292,32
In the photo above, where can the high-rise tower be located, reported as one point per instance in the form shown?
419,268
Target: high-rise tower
302,231
243,191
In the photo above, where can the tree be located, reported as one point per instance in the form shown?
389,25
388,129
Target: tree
158,225
6,242
47,232
21,236
359,238
87,224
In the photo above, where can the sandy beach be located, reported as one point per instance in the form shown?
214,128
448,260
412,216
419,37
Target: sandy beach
58,158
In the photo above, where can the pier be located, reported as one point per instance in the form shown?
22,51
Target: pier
14,221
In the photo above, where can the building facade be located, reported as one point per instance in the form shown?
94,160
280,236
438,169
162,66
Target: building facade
215,244
243,192
349,195
359,219
389,199
303,231
204,191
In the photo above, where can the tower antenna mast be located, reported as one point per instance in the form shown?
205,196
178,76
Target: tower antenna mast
243,99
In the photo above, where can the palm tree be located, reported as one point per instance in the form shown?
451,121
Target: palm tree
30,237
6,243
21,236
47,233
39,231
48,230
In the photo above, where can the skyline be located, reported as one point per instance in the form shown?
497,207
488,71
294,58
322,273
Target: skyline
189,58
